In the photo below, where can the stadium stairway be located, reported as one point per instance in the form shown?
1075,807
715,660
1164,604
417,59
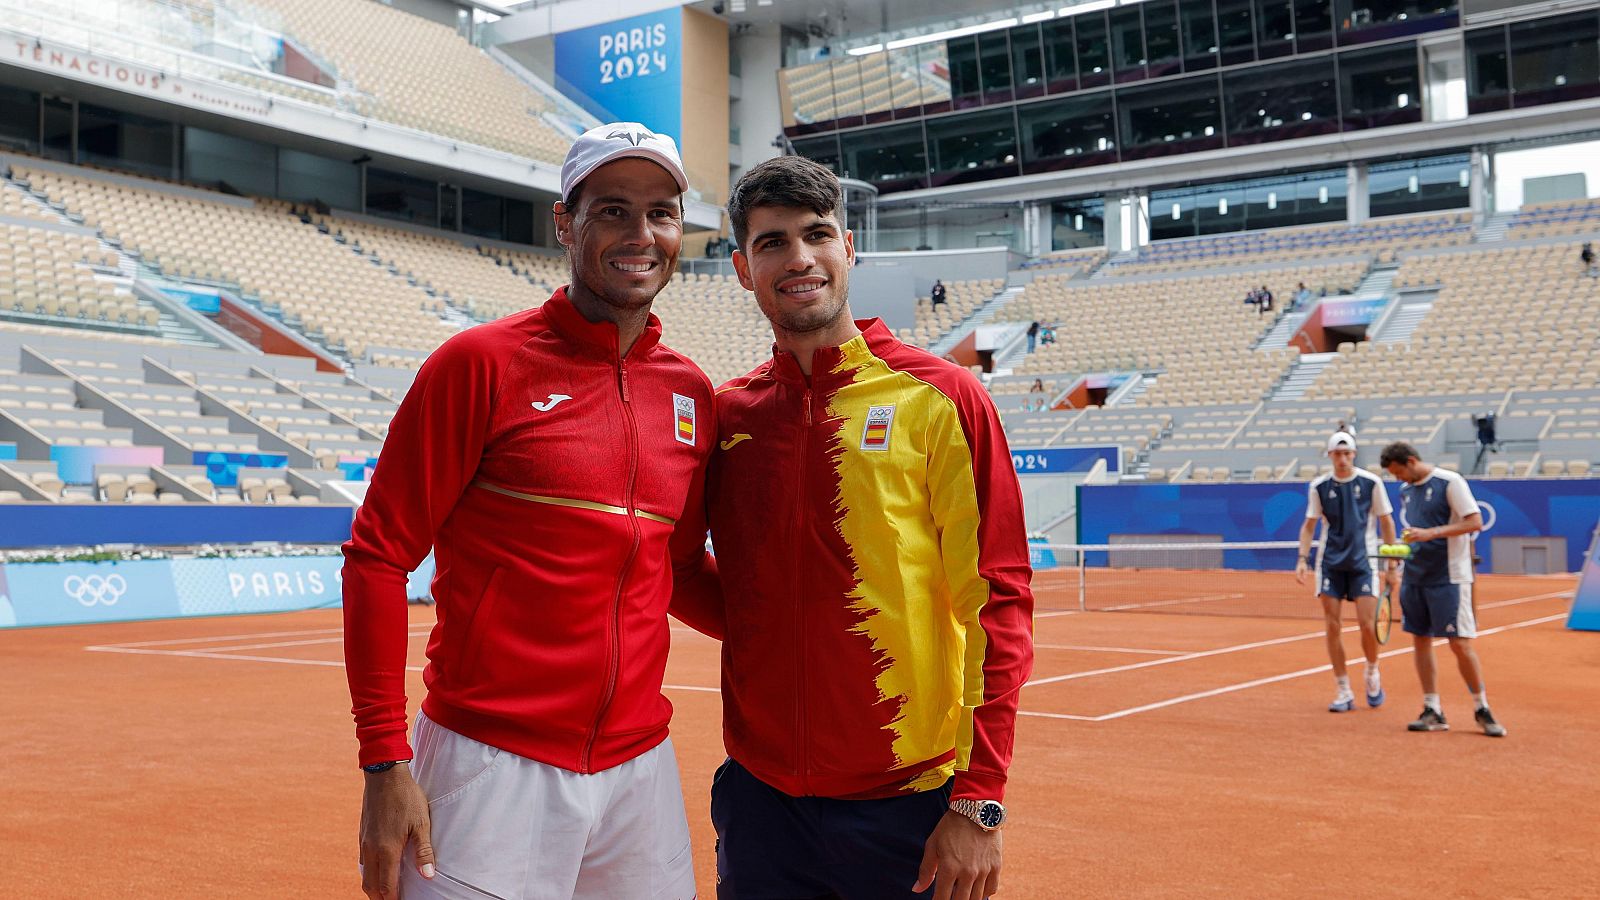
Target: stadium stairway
1300,376
1129,395
1378,280
982,316
1277,337
1493,228
1108,268
1403,322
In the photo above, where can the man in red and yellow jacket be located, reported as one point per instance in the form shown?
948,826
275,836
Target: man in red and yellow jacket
869,533
554,460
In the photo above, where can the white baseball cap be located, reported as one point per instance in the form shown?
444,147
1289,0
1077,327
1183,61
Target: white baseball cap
619,140
1341,440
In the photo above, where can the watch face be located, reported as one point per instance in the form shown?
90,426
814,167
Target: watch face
991,814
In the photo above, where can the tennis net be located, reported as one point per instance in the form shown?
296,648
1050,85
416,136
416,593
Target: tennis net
1200,578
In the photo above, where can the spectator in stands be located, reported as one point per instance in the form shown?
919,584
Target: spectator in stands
1253,298
1047,333
937,295
1033,335
1264,301
1302,298
506,458
1588,257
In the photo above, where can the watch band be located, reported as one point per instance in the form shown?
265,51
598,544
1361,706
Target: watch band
986,814
377,768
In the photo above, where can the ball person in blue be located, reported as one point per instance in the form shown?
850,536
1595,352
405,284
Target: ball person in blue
1354,505
1440,515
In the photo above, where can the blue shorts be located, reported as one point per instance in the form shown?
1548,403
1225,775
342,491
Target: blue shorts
1437,610
1347,584
771,846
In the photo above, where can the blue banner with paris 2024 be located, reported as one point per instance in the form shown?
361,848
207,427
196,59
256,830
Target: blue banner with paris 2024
627,70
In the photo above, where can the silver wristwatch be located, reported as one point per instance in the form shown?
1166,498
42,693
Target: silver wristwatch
987,814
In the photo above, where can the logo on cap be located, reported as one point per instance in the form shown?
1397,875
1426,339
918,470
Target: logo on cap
631,136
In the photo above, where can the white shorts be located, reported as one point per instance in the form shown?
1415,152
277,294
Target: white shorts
507,827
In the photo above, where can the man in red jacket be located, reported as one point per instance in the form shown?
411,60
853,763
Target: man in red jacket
554,460
869,534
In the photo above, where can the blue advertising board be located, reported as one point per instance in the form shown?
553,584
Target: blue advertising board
1556,507
88,524
208,302
627,70
76,593
75,464
1585,615
223,468
1063,460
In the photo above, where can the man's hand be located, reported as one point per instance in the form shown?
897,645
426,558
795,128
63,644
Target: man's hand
1300,570
965,858
393,811
1419,535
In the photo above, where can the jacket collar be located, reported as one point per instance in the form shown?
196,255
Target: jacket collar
601,338
835,365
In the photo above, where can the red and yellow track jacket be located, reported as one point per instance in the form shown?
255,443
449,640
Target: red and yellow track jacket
869,532
560,486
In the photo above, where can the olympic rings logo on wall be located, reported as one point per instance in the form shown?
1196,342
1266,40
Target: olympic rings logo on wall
94,590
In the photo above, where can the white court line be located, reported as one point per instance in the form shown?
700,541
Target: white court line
1057,612
1186,698
1109,649
1236,648
226,637
202,654
1156,604
306,643
1301,673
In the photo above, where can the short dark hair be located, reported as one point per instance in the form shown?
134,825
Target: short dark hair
1398,454
791,181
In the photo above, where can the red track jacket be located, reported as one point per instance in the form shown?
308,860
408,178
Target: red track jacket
559,487
869,534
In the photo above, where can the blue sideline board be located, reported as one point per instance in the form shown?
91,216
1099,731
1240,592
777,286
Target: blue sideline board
1064,460
77,593
1585,615
1544,507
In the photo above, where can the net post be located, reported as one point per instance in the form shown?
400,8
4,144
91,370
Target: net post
1083,588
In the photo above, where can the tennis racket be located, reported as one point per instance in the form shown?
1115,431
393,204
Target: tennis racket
1383,619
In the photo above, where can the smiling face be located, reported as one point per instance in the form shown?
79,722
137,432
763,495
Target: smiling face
624,235
797,263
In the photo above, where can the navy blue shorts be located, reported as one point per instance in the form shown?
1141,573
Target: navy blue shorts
771,846
1437,610
1347,584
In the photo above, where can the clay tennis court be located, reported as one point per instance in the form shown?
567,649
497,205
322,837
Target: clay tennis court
1158,756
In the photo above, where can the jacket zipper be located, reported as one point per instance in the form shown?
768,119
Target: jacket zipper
802,742
614,627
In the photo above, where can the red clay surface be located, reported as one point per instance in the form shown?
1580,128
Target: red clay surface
1159,756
